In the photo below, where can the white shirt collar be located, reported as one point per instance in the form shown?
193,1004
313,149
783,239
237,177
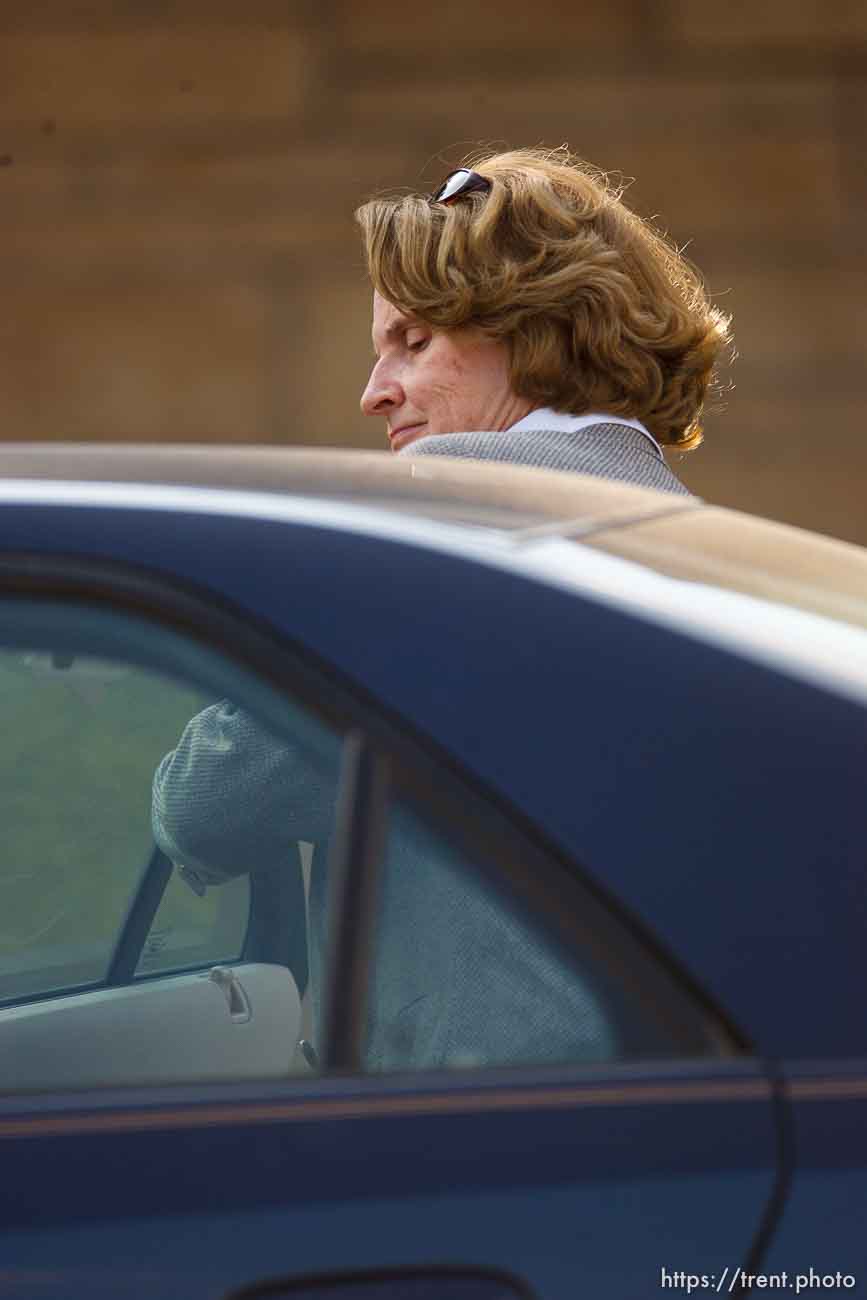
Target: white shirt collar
544,418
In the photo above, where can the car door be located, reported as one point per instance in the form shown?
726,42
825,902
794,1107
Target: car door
545,1092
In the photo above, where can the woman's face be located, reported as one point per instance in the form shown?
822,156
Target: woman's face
429,381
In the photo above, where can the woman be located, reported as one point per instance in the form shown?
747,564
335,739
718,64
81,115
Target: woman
524,314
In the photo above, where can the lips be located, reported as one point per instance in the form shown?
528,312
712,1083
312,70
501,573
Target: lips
406,434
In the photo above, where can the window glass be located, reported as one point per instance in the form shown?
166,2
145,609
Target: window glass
464,977
195,926
83,736
160,841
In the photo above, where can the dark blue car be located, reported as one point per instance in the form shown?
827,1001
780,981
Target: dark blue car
424,880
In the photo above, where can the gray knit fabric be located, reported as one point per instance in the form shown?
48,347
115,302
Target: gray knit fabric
615,451
232,796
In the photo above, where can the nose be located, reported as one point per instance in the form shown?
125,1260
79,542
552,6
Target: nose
382,394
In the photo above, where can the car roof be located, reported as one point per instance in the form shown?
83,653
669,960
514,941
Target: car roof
680,536
502,496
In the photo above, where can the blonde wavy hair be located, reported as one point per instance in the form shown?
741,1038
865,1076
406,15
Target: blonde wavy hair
599,310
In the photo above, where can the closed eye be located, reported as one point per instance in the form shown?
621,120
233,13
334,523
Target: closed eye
418,344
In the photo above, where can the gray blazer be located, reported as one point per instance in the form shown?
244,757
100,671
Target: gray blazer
614,451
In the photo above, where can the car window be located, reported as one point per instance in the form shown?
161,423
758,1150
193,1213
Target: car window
88,733
195,926
155,836
83,735
465,977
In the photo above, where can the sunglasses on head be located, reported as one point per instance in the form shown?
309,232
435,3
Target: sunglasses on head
459,183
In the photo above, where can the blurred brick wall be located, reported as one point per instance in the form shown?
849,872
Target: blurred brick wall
177,183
